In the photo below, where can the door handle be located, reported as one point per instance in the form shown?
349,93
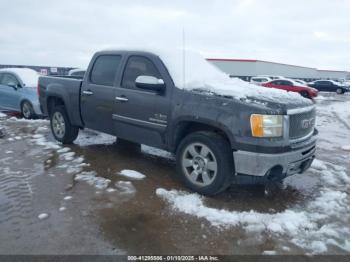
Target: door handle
88,93
121,99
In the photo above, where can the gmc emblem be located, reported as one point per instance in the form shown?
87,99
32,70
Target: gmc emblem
307,123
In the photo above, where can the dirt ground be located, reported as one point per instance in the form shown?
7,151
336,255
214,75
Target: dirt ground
73,200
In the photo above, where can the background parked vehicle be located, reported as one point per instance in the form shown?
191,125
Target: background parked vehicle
300,82
259,80
77,72
18,91
292,86
272,77
329,86
141,97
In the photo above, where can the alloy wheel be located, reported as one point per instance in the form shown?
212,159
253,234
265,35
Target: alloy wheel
199,164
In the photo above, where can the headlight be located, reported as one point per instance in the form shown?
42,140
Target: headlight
266,125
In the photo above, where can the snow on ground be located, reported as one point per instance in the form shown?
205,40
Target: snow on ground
2,115
43,216
341,110
131,174
92,179
331,122
346,148
157,152
125,187
308,226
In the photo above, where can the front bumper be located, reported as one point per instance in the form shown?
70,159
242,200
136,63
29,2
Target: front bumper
283,164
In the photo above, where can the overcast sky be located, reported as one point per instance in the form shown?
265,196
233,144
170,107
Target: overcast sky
313,33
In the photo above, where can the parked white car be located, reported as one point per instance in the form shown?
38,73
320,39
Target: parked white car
260,80
272,77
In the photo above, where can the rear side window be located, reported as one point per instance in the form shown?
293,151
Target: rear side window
286,83
138,66
104,70
276,82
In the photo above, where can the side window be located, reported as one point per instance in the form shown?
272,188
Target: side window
137,66
287,83
104,70
9,79
276,82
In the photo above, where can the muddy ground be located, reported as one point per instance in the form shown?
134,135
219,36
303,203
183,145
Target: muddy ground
73,200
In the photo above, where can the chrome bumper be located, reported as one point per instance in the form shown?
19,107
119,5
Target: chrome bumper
257,164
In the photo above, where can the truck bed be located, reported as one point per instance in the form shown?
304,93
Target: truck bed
67,88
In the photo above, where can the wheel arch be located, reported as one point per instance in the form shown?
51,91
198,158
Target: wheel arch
186,127
53,101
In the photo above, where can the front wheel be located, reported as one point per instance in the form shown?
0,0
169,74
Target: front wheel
205,162
61,128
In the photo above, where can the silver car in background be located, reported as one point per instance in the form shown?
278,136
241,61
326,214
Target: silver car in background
77,72
18,91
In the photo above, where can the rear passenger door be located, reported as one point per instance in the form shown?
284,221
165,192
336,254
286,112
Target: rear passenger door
330,86
321,86
141,115
98,93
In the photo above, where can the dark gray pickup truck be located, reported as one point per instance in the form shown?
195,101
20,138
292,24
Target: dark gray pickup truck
254,135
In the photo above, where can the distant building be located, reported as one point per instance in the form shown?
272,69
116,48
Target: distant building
43,70
247,68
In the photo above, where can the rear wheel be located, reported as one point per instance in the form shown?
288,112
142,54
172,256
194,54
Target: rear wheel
61,128
340,91
205,162
27,110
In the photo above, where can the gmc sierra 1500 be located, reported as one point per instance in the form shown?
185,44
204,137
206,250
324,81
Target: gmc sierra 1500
221,130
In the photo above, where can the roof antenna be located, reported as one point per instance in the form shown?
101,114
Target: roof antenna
183,58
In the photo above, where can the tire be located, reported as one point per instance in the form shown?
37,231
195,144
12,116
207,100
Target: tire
193,156
61,128
305,94
340,91
27,110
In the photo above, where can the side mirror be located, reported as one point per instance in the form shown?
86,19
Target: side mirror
13,85
150,83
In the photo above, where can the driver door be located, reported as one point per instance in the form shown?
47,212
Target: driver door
140,115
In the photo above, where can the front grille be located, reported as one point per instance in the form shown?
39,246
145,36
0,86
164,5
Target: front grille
301,124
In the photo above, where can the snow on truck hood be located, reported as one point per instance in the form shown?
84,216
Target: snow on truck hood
28,76
197,73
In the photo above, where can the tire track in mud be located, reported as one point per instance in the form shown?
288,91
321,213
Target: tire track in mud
16,206
16,188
